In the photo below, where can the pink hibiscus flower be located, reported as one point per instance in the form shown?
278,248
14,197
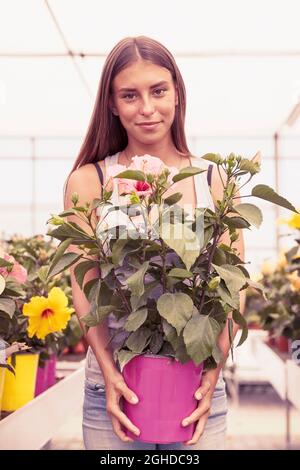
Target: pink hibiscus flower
18,272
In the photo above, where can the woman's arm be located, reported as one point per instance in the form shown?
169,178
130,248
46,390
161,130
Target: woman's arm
85,182
82,182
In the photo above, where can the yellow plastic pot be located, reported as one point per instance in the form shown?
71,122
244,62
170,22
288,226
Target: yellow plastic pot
19,389
2,375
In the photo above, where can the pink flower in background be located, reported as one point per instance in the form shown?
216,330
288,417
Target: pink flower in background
18,272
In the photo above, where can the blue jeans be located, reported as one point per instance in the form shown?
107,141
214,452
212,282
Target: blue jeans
98,433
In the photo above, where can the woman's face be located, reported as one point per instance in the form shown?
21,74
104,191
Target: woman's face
138,96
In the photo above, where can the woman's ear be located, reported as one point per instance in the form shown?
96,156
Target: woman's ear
112,107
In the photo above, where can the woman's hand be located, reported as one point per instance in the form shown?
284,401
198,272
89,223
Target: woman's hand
204,395
115,390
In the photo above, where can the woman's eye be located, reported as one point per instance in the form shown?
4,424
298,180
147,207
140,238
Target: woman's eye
161,89
130,95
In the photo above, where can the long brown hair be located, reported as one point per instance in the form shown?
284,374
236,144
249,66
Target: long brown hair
106,134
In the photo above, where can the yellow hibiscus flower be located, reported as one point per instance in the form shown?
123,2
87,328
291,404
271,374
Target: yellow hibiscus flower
294,280
47,314
292,222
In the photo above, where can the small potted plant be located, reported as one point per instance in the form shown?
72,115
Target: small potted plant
279,312
166,277
34,253
26,318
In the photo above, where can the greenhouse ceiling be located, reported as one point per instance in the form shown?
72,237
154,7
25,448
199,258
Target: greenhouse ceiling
240,61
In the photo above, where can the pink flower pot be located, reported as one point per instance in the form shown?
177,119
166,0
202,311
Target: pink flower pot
46,375
165,388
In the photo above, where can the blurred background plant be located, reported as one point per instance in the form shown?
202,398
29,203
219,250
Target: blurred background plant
23,265
280,313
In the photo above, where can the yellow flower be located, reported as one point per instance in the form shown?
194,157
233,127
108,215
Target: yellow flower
294,280
282,261
292,222
267,268
47,315
256,277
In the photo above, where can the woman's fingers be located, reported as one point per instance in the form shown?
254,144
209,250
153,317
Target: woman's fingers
199,430
203,408
119,431
125,391
202,390
117,413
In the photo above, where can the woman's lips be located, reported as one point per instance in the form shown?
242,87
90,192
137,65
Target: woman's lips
149,126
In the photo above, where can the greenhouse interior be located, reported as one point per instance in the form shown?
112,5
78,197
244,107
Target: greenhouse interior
237,71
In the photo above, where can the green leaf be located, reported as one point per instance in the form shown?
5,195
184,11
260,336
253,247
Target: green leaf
8,306
136,319
67,212
230,335
89,288
89,320
59,253
268,194
219,257
103,311
176,308
241,321
182,240
136,281
123,357
200,336
258,286
231,299
173,199
138,340
236,222
250,212
106,269
232,276
213,157
131,175
117,249
71,230
43,273
82,268
67,260
156,342
4,263
186,173
2,284
179,272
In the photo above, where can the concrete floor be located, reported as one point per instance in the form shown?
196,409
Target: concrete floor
257,422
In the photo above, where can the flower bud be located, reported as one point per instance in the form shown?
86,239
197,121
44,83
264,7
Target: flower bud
214,283
75,198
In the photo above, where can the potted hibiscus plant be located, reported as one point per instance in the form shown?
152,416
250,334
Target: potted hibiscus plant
33,254
28,321
166,277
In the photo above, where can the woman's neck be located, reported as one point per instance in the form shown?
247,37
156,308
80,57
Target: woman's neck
168,154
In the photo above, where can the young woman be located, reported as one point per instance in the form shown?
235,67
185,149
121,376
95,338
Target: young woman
139,109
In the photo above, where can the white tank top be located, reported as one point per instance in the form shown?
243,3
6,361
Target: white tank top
203,199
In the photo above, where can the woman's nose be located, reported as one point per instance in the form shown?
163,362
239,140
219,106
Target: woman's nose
147,106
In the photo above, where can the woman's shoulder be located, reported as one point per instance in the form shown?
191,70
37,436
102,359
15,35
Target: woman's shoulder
85,180
87,172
